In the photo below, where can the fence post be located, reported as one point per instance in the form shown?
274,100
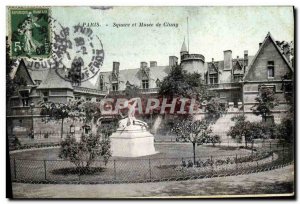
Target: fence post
15,168
150,169
45,169
236,163
212,163
282,155
115,171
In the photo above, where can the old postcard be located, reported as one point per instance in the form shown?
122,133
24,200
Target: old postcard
118,102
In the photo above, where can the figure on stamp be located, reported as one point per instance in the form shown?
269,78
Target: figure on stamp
30,44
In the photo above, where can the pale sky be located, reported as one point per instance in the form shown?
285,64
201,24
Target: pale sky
212,30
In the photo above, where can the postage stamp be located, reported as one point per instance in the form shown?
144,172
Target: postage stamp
150,102
29,32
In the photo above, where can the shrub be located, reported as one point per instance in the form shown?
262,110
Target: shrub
84,152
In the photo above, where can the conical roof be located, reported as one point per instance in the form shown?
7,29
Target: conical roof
183,47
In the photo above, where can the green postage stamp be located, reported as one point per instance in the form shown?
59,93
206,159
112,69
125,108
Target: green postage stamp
30,34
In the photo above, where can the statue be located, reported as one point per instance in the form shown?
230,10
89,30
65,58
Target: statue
131,120
132,139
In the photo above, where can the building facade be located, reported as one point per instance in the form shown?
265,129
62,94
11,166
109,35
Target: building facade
236,80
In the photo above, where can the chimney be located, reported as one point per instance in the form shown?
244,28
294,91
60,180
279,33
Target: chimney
116,66
173,61
286,51
259,45
144,64
245,58
153,64
212,59
227,60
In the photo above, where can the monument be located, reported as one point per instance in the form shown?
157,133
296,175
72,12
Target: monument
132,138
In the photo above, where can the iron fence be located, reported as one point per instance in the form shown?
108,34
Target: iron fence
148,170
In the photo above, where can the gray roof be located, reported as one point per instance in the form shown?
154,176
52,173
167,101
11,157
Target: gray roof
39,74
134,76
54,81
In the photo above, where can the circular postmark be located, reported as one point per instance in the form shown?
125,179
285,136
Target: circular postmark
77,51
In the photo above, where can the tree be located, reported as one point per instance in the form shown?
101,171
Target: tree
214,109
86,112
248,130
196,132
132,91
183,84
56,111
84,152
266,101
285,130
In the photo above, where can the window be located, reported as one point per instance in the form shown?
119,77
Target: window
115,87
101,83
37,82
158,83
270,69
25,97
213,78
77,98
145,84
98,99
238,77
271,87
222,95
88,98
45,96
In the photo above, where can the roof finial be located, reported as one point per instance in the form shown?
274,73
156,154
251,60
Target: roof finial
188,37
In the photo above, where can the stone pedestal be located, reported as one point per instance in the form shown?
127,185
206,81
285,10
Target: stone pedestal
132,141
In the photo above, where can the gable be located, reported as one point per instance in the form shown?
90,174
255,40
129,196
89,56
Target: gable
144,73
22,72
268,51
213,68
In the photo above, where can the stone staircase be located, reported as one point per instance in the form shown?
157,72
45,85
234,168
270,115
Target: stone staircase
222,126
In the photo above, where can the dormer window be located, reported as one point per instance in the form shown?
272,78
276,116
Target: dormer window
238,77
145,84
271,69
213,78
37,82
158,83
115,87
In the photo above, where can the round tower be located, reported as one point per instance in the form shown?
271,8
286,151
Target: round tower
192,62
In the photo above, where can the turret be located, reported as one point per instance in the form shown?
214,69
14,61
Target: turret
183,50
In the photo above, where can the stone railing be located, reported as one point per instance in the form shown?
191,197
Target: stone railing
193,56
89,91
224,86
141,91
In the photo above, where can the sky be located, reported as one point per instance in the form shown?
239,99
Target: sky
211,30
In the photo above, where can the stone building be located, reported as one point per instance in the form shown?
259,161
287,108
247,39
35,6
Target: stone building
236,79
